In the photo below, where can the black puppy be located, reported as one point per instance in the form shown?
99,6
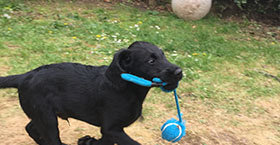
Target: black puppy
96,95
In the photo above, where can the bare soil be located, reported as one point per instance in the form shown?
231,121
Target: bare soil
204,126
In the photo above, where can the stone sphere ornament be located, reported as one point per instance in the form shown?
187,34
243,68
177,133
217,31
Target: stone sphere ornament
191,9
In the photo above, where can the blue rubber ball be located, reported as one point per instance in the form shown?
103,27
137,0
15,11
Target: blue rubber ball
173,130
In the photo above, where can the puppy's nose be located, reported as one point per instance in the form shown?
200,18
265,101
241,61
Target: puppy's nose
178,72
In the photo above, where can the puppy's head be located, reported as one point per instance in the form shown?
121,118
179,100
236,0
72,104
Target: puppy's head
146,60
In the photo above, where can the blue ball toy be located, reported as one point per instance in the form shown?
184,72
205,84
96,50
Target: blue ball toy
173,130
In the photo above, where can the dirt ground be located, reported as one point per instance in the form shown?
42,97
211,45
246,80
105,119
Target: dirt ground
254,130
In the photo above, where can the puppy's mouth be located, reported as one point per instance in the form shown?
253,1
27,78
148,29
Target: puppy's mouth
171,86
168,78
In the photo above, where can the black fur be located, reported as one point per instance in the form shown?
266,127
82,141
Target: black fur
93,94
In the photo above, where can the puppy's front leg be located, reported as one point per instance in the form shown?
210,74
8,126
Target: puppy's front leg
87,140
109,138
116,136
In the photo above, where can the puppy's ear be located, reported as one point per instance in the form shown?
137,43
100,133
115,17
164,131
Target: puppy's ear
125,59
121,62
122,59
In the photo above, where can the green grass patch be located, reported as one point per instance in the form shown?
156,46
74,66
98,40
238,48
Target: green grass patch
218,59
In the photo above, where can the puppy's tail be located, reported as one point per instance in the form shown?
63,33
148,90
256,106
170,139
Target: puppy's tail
9,81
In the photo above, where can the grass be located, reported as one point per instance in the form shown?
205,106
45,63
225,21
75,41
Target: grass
221,63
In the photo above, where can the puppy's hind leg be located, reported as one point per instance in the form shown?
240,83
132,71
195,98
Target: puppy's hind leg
47,125
33,133
44,125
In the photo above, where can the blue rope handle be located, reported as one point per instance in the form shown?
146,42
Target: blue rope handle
178,106
136,80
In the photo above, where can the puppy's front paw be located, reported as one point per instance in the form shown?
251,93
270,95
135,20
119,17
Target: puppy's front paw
86,140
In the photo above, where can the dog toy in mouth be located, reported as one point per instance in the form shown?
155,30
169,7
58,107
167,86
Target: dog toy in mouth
172,130
142,82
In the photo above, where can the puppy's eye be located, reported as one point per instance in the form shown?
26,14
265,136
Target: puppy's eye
151,61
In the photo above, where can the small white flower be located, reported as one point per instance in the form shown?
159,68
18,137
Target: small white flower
125,40
130,27
157,27
136,25
138,29
7,16
114,36
119,41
